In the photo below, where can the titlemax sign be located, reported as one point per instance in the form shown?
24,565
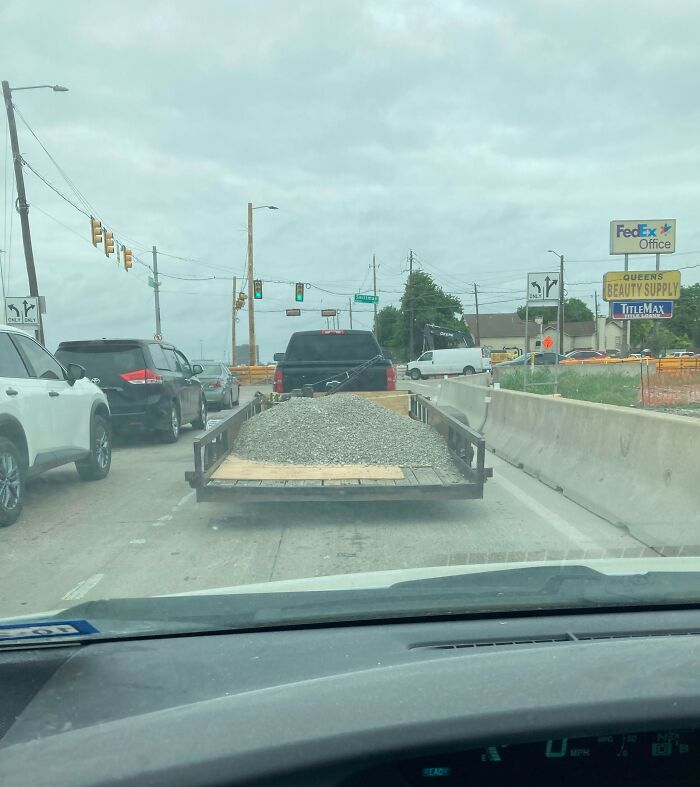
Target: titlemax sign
643,237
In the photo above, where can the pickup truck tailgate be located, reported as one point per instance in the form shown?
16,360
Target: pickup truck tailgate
374,378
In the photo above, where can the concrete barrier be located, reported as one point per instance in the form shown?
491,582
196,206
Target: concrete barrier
468,395
634,468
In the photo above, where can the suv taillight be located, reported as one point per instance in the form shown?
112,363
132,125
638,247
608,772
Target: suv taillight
391,379
277,386
141,377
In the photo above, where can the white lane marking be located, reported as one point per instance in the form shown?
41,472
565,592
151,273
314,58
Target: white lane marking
183,500
137,541
83,587
559,524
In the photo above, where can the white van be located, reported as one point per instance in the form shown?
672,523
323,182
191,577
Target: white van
460,360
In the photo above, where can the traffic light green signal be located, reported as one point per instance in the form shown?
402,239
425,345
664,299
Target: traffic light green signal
257,289
299,292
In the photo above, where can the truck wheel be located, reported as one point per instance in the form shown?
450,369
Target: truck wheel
469,370
414,374
96,466
201,421
171,434
11,483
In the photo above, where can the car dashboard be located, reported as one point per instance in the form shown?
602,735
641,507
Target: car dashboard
571,698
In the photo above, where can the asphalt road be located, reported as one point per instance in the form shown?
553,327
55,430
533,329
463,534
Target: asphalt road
140,532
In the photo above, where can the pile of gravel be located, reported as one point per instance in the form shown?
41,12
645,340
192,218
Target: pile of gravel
340,430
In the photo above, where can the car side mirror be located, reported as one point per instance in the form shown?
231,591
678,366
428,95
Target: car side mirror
197,368
277,357
75,372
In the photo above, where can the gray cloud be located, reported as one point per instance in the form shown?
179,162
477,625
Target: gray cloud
479,134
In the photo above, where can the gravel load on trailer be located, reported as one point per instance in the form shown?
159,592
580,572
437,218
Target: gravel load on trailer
341,430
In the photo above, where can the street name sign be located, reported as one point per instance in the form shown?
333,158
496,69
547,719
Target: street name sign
328,312
23,311
641,310
293,312
656,236
642,286
360,298
543,288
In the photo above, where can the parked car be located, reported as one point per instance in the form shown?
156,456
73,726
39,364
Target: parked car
149,384
459,360
50,415
585,355
221,387
541,359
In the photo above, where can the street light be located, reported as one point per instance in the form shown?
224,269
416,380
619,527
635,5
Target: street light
560,319
252,350
22,204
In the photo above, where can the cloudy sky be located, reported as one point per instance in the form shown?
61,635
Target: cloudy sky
479,134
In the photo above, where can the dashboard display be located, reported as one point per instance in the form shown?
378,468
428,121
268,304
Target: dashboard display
650,758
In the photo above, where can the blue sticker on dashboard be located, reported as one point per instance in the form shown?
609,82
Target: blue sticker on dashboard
45,629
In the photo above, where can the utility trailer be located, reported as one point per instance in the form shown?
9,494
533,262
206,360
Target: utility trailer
220,476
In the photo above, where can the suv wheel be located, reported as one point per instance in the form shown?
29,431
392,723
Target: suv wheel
11,483
97,465
414,374
201,421
171,434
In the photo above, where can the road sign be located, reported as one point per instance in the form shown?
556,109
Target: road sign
359,298
293,312
543,288
328,312
547,342
643,237
642,286
641,310
22,311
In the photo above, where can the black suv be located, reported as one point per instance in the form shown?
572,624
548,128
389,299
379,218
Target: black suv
149,384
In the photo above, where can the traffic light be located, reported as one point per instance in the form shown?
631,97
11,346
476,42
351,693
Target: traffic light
96,231
128,258
257,289
299,292
109,243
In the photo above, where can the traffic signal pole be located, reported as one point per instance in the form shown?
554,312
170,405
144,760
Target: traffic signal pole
234,297
156,290
252,359
22,204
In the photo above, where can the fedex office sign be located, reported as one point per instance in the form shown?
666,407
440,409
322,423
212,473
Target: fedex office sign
643,237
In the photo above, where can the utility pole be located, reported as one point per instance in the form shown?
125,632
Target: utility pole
156,288
374,286
476,304
22,204
350,311
410,304
252,360
234,298
597,336
560,327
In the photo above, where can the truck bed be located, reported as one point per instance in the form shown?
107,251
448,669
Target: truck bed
215,450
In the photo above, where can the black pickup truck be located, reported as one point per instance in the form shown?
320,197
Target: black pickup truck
350,360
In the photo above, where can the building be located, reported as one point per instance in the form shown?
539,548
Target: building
242,356
499,331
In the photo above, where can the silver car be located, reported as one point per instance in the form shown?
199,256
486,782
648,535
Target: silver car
221,387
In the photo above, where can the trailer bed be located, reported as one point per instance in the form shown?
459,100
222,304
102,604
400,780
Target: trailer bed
220,475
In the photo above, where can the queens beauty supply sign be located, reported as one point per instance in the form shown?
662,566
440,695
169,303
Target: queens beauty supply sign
643,237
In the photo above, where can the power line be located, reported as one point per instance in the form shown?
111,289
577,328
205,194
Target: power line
53,188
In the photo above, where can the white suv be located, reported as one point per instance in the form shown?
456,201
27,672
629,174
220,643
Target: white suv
49,416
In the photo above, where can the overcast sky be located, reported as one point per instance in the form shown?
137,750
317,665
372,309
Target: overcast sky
479,134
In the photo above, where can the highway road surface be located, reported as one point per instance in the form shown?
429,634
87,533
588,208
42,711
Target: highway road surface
141,533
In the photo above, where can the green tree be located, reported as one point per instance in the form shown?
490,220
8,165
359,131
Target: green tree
681,332
574,311
429,303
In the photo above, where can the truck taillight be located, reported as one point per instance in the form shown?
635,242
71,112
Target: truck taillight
277,386
141,377
391,379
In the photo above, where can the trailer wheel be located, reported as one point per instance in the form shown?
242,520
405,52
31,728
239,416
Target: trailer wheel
414,374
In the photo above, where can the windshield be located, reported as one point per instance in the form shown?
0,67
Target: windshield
448,252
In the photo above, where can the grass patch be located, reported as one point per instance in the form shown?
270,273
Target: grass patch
608,388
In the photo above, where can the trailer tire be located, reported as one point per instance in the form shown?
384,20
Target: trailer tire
415,374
